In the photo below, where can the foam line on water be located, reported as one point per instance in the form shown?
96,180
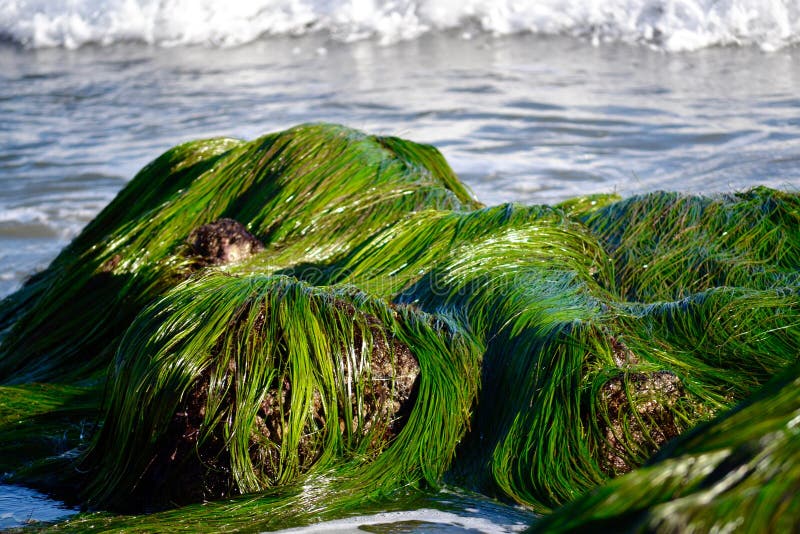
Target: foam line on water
415,519
671,25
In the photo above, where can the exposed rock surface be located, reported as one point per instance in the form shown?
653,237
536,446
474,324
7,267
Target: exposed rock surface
636,416
623,356
223,241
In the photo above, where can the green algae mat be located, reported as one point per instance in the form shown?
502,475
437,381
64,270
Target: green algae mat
266,334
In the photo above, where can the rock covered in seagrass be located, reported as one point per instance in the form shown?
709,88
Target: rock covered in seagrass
669,245
311,191
233,385
740,471
245,381
636,412
637,416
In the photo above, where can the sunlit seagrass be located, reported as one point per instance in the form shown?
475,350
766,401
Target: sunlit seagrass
558,347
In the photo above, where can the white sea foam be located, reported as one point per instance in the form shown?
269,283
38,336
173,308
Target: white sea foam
672,25
61,220
435,517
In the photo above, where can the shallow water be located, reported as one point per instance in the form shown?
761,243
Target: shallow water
21,506
453,512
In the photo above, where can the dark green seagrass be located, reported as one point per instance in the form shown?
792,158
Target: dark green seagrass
321,322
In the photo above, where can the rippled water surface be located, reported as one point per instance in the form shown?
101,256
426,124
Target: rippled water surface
522,118
23,506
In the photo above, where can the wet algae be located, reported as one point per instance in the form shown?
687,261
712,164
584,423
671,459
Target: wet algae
256,335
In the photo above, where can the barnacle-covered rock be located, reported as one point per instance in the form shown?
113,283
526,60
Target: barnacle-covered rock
232,385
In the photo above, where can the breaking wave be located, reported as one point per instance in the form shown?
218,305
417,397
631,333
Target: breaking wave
671,25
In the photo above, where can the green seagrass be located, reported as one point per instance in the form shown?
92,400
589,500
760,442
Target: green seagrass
557,347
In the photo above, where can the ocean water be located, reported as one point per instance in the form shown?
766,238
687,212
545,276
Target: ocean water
22,506
530,102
